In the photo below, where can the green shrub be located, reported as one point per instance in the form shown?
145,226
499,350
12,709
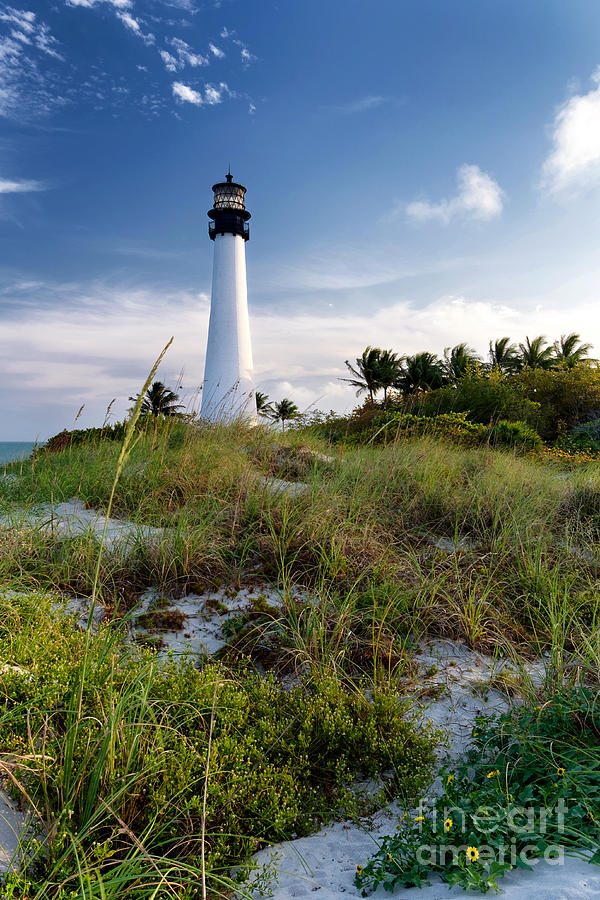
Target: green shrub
136,754
582,437
483,398
567,397
455,426
78,436
388,426
514,434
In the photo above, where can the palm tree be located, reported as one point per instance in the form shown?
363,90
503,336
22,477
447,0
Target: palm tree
388,370
458,361
566,351
504,356
263,407
366,372
283,411
420,372
535,354
159,401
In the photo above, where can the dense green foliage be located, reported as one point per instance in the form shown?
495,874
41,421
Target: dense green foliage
454,426
137,750
551,388
65,439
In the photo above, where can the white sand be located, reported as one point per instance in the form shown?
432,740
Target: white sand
71,518
12,825
281,486
206,617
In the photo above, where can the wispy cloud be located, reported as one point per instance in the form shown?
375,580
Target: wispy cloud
209,96
124,12
479,196
133,24
216,51
182,56
8,186
363,104
118,4
246,56
27,30
574,163
27,88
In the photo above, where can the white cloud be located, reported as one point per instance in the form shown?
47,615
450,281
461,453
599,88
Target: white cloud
171,64
184,56
118,4
20,187
23,19
28,30
187,94
247,57
216,51
211,96
479,196
132,23
26,88
574,163
123,13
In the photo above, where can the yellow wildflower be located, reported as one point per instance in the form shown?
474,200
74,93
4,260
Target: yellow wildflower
472,854
419,818
493,774
450,779
359,869
560,772
448,824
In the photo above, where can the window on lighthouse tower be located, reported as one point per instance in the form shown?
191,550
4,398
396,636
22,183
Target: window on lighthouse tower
229,196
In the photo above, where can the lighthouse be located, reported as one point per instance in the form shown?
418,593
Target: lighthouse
228,392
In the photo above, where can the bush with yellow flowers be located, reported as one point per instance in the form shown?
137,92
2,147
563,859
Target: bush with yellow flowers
529,788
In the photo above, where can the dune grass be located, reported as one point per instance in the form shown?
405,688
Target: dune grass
388,543
366,532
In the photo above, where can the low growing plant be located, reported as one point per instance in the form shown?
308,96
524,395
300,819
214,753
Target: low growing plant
529,788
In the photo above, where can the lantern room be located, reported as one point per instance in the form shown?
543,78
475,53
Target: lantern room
229,214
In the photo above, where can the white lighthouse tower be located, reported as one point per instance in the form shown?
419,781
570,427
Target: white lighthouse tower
228,391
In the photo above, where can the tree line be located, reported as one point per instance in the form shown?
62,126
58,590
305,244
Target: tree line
382,370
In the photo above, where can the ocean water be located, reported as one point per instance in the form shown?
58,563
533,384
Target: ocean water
11,450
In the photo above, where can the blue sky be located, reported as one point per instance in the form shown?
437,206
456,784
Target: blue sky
419,172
